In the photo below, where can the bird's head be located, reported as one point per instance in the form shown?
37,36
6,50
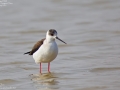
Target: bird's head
52,35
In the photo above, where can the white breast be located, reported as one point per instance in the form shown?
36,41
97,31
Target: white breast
46,53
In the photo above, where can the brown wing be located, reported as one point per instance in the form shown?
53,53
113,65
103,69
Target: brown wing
36,46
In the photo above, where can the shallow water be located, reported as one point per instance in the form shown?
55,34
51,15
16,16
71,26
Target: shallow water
89,61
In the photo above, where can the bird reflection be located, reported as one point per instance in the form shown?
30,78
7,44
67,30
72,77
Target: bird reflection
45,81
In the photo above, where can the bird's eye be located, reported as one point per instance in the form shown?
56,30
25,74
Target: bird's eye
51,34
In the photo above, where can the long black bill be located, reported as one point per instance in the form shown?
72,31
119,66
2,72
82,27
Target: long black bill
61,40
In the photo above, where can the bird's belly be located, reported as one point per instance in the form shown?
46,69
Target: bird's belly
45,54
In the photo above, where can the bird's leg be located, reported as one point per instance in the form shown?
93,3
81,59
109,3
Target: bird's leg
49,67
40,68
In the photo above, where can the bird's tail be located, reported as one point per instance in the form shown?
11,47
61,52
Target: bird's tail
27,53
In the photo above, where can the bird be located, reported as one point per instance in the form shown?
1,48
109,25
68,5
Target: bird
46,49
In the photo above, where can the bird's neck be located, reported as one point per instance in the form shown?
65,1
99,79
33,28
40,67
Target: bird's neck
49,39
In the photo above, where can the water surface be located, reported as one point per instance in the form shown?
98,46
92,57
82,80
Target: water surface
89,61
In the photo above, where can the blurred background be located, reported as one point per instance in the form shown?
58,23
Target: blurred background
89,61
